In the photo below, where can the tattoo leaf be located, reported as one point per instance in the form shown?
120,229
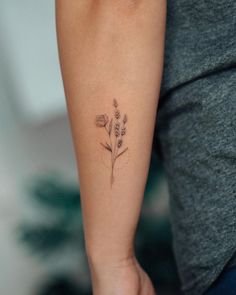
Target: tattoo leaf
106,146
121,153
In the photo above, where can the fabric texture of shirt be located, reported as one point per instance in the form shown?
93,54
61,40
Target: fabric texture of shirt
196,137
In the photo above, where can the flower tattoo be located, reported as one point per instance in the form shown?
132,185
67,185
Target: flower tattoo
101,120
115,127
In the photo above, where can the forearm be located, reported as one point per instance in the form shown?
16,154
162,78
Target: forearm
111,49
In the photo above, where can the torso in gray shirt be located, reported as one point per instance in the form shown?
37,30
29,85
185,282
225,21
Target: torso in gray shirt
196,135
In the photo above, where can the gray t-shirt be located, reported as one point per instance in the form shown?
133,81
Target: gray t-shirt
196,136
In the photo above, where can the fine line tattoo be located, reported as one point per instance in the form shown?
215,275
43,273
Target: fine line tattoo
115,127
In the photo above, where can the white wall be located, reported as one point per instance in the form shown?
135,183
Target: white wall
25,151
29,57
34,131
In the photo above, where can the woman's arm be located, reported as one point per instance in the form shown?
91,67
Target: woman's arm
111,54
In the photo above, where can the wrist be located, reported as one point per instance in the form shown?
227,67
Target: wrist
108,257
109,269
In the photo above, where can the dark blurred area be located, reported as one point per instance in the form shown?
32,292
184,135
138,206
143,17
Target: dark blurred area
41,232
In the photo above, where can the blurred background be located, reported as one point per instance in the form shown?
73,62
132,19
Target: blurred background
41,234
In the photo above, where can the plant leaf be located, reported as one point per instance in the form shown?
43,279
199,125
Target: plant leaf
52,193
45,239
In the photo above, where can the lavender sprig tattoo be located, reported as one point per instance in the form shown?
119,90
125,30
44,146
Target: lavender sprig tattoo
115,128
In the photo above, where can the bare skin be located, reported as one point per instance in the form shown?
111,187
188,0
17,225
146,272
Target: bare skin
111,56
127,278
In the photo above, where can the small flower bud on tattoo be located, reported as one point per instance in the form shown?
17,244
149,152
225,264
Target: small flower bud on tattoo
115,104
123,131
115,128
117,114
125,118
119,144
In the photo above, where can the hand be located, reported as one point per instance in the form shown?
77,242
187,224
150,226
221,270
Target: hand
125,278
